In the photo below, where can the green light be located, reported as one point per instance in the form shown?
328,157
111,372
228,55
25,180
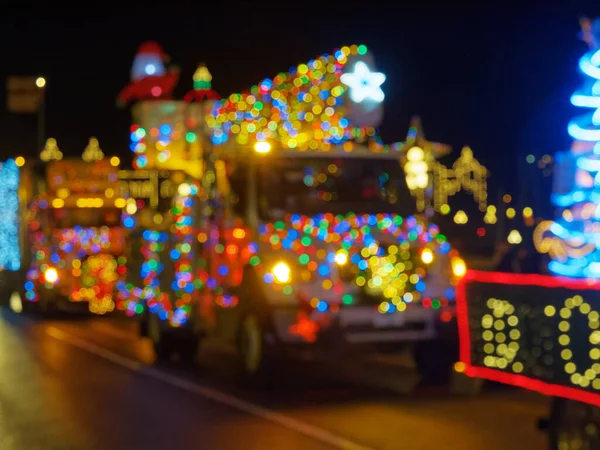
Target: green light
304,258
190,137
362,49
530,159
347,299
255,260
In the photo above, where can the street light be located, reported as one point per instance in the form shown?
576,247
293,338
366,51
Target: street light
40,82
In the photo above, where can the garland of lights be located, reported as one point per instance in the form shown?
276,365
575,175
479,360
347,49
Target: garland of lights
384,252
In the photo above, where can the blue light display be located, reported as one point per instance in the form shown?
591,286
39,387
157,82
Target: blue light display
10,255
577,230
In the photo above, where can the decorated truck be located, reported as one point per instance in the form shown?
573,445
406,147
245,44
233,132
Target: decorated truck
73,239
542,332
291,227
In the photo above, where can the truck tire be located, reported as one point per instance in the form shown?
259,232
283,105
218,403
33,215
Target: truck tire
162,341
254,360
168,342
573,425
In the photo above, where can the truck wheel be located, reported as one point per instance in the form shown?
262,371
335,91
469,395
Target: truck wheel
254,363
169,342
435,360
574,425
162,341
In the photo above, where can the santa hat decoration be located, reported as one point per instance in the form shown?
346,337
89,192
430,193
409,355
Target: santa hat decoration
149,61
152,48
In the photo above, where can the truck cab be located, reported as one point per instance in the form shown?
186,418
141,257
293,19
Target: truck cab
305,250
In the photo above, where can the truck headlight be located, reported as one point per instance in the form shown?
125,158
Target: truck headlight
51,275
341,258
427,256
282,272
459,268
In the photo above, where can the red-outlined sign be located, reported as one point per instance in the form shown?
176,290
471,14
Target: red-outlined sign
505,375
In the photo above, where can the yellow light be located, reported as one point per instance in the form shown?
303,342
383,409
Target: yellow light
459,268
262,147
115,161
341,258
131,207
58,203
514,237
527,212
109,193
510,213
461,217
184,189
97,203
51,275
63,193
282,272
460,367
120,203
40,82
20,161
427,256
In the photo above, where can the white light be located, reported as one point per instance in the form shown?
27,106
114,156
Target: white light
262,147
427,256
40,82
341,258
282,272
184,189
150,69
364,84
51,275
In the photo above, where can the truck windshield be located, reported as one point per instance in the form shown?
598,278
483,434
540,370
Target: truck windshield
85,217
336,185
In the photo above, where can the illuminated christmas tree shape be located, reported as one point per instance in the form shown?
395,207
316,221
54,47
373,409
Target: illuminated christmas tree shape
364,84
573,240
307,108
51,152
93,152
202,78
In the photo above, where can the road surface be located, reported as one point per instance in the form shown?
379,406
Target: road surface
89,383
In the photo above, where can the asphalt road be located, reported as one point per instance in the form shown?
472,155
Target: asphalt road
89,383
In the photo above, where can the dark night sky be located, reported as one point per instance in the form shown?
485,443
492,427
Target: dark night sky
496,77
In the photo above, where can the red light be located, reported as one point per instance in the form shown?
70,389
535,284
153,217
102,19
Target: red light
481,231
427,302
156,91
446,316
